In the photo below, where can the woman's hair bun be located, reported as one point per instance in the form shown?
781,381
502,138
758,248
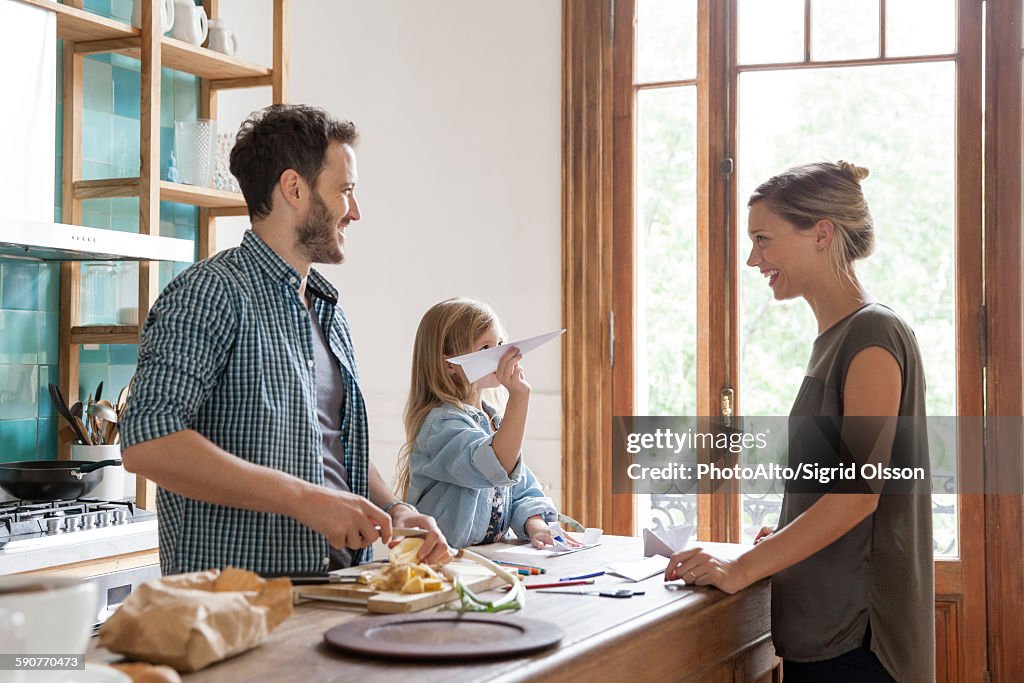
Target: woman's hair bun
858,172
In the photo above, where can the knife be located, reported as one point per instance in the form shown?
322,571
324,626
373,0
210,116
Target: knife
313,579
408,533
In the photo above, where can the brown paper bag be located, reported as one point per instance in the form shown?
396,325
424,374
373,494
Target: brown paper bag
190,621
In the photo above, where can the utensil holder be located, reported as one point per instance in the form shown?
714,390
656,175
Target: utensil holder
112,486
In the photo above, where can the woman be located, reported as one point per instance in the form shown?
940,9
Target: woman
852,573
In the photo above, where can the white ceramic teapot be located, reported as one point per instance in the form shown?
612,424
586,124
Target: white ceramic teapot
190,24
166,14
222,39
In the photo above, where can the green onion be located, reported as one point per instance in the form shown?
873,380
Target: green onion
471,602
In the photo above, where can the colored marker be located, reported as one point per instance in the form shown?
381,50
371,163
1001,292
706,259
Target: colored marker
560,584
538,570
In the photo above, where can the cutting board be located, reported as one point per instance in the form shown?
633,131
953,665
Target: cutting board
474,576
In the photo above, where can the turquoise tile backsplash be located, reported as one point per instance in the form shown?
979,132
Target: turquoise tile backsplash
19,338
19,440
19,397
30,292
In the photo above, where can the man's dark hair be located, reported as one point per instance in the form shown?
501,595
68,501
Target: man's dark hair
280,137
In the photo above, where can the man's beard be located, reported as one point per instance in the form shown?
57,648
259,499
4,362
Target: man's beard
317,236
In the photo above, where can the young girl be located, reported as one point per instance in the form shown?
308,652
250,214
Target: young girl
462,462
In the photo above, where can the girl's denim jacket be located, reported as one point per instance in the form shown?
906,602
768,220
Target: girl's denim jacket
453,472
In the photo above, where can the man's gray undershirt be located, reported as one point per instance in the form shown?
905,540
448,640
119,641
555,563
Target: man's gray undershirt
330,404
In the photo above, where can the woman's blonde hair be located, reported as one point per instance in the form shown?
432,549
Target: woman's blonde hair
804,195
447,329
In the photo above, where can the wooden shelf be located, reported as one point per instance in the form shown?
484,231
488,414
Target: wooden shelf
204,63
105,334
85,33
206,197
222,71
224,203
93,33
80,26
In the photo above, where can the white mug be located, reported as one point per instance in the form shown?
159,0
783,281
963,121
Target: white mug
57,614
12,635
222,39
190,23
166,14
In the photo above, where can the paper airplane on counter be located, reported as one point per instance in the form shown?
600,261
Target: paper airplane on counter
666,541
482,363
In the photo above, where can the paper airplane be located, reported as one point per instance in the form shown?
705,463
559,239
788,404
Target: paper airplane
666,541
482,363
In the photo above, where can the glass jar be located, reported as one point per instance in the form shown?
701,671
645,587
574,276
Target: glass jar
128,293
100,295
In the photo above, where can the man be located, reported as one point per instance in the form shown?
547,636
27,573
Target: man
246,408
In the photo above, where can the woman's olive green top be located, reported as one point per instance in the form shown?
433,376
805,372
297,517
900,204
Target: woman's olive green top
880,571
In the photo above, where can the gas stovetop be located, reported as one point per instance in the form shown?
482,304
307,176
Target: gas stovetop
22,519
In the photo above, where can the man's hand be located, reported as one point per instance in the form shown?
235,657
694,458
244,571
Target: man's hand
435,547
346,519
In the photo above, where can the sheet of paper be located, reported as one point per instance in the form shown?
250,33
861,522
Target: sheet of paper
481,363
638,570
725,551
589,538
666,541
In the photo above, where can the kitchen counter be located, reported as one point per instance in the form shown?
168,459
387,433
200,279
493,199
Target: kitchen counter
687,634
51,551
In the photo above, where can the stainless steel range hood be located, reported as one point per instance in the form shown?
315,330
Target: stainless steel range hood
36,241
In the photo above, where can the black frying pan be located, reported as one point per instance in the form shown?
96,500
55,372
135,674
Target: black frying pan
51,479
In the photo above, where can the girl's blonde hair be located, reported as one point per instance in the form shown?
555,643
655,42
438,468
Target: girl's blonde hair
447,329
804,195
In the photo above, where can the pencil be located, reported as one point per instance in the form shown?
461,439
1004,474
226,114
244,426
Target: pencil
538,570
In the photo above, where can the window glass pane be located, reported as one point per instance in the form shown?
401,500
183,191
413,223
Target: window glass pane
844,29
770,31
665,237
665,352
666,40
911,191
920,27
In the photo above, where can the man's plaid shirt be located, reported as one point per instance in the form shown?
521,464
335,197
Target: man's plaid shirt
227,350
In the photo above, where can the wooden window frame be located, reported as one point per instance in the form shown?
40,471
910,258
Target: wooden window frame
598,151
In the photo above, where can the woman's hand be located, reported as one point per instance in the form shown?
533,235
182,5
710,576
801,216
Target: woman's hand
697,567
763,533
510,373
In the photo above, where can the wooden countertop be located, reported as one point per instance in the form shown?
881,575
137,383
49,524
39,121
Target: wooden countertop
690,633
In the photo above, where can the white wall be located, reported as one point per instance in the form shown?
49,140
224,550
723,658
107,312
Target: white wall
458,104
